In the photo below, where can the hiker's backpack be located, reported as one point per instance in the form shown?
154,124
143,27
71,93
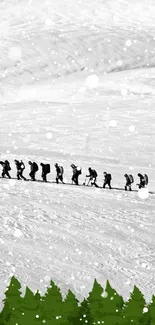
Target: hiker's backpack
131,179
8,165
61,170
94,173
108,176
48,169
146,179
35,167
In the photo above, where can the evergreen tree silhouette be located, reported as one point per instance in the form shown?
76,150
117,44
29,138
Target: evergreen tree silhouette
70,310
113,304
84,315
29,312
52,305
151,310
96,303
133,309
12,301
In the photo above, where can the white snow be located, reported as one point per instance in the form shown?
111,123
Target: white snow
145,310
18,233
15,53
113,123
92,81
143,193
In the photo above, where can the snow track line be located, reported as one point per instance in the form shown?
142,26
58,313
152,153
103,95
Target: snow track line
69,184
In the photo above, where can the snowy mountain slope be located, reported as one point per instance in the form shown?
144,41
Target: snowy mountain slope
50,112
76,235
48,40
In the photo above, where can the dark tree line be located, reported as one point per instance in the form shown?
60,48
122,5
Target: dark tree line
102,306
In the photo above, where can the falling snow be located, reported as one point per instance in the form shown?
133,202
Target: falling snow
18,233
92,81
143,193
75,88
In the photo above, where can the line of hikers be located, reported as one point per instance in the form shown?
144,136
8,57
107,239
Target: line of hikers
76,171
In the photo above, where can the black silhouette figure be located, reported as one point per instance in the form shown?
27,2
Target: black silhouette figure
20,168
6,168
33,169
129,181
60,172
142,181
76,172
92,177
45,171
107,180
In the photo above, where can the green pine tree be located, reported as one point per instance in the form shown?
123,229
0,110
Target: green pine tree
133,309
96,303
12,301
151,310
113,304
30,309
52,305
146,318
84,315
70,310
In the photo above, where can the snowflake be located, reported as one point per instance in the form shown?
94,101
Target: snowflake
119,63
48,22
18,233
128,43
143,193
104,294
49,135
112,123
92,81
47,278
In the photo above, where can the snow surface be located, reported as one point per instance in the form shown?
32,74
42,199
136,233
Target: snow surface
77,86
